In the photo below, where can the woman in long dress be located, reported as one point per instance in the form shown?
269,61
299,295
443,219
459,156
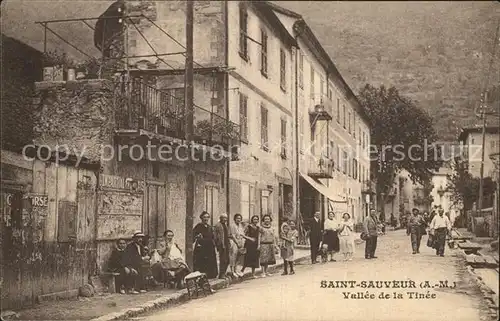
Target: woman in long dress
331,236
346,236
268,244
252,244
237,246
204,259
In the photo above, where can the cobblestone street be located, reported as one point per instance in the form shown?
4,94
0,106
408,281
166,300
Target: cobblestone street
300,297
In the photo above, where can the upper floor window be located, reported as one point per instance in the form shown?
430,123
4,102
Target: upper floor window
301,70
344,114
332,150
244,117
349,123
338,110
283,139
339,156
282,70
330,94
311,89
354,126
263,52
345,165
321,87
243,32
264,138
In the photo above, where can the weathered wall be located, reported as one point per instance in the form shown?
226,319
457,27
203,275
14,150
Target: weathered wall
47,245
21,66
78,114
170,16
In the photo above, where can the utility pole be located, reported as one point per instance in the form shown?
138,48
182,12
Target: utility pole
189,114
481,169
483,115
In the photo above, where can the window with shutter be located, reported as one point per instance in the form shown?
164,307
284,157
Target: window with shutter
263,52
282,70
244,117
243,32
312,83
338,110
344,116
283,139
263,128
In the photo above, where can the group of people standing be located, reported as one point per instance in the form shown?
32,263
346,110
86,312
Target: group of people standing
331,237
251,246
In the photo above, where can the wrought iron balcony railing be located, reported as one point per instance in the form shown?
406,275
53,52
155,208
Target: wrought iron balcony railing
321,109
142,106
321,167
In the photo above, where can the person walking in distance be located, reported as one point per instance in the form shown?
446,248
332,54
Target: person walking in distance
414,228
370,229
440,227
315,236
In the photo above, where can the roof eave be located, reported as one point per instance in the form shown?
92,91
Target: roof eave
266,9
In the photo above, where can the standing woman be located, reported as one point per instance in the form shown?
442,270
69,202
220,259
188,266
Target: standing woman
331,237
252,245
346,237
237,247
268,244
204,259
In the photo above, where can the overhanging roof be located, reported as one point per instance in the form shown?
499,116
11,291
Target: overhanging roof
322,189
468,130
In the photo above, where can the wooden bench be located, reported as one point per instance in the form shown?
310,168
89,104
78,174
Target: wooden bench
469,247
110,278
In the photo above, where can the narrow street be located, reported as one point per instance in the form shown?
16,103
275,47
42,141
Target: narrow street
300,296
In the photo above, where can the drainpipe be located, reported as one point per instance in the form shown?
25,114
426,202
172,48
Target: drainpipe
296,190
226,94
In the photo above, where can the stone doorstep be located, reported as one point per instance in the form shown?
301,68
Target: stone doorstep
182,296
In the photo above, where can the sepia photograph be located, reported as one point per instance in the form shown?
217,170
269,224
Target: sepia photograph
249,160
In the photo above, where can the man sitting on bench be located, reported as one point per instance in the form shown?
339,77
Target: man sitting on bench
116,265
172,266
135,255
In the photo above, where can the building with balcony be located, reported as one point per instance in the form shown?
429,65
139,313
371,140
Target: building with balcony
243,76
333,133
471,140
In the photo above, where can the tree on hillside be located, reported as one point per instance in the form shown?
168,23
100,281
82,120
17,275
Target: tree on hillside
401,138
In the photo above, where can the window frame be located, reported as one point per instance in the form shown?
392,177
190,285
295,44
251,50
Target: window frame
264,127
283,149
243,106
243,29
283,70
263,52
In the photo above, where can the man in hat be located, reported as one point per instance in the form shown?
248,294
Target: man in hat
370,227
135,255
222,244
414,228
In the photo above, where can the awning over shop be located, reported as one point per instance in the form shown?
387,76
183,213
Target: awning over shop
322,189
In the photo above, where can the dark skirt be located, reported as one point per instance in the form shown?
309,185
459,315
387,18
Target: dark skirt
204,260
252,255
331,238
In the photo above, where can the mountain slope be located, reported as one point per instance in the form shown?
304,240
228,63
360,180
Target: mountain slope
436,53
